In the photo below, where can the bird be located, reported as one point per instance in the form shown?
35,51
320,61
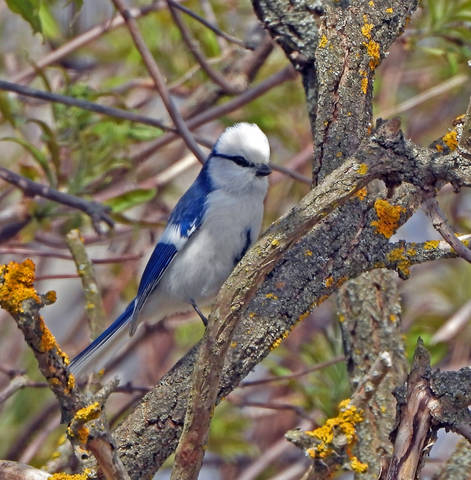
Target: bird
210,229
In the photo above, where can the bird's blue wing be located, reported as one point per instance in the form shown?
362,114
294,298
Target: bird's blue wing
184,221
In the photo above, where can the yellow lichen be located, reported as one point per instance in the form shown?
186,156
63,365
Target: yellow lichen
439,147
304,315
341,318
328,282
272,296
308,253
397,256
323,41
48,341
362,169
392,318
233,344
341,281
17,285
68,476
431,245
358,466
51,296
82,434
90,412
389,10
364,85
70,382
275,243
251,315
361,194
388,217
374,52
366,28
344,424
450,140
371,3
278,341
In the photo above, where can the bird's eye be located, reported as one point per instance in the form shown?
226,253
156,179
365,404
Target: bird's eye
237,159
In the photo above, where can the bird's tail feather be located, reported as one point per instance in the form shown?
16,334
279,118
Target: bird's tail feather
96,348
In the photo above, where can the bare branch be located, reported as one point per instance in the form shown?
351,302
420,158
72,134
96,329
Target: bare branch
87,424
83,39
209,25
192,46
213,113
19,471
83,104
97,212
19,383
159,81
441,225
315,368
93,303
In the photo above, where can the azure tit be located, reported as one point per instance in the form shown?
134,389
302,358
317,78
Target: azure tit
212,226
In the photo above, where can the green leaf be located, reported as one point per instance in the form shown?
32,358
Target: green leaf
7,109
29,10
131,199
37,155
51,142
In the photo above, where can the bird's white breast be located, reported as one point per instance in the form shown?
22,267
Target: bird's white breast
207,259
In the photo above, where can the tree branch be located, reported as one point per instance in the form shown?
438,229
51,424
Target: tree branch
96,211
159,81
297,263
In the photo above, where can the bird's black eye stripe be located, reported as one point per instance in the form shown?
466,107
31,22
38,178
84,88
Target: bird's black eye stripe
239,160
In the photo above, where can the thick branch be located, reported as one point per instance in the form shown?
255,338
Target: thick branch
298,262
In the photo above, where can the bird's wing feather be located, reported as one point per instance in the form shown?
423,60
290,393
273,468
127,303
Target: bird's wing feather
186,218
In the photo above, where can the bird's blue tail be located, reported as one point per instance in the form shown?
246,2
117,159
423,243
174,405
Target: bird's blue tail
95,348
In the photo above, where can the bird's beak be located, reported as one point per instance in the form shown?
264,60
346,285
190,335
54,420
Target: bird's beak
262,170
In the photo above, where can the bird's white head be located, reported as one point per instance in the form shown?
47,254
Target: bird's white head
239,160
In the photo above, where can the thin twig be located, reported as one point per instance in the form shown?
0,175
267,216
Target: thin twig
96,211
287,73
443,228
159,81
432,92
83,104
271,406
453,325
19,383
83,39
93,303
192,46
315,368
209,25
53,254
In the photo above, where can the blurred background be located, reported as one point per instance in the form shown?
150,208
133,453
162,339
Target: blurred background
134,168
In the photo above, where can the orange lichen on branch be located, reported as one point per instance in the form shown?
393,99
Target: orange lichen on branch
69,476
343,424
398,256
361,194
388,217
431,245
82,434
323,41
358,466
90,412
16,285
329,281
374,52
451,140
366,28
48,341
